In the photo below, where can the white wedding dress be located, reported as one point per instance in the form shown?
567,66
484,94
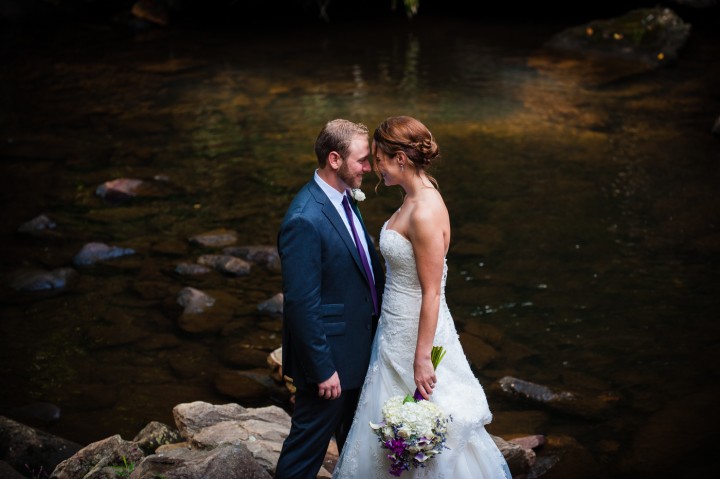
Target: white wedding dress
472,453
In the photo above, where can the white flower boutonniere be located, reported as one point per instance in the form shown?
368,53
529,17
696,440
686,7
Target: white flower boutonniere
358,194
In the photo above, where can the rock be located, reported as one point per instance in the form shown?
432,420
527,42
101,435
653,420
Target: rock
215,238
154,435
225,264
122,189
261,430
273,306
119,189
567,458
192,269
7,472
267,256
529,442
192,417
150,11
27,449
89,461
91,253
42,280
651,36
716,127
194,301
39,223
478,351
227,461
243,357
677,430
518,458
569,402
241,386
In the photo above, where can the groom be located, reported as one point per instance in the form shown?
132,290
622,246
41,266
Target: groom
332,284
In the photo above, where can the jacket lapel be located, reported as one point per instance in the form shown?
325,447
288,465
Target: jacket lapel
334,218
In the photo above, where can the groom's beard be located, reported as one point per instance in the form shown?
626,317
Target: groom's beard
351,180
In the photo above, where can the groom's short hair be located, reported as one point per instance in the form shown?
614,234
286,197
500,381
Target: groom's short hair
337,135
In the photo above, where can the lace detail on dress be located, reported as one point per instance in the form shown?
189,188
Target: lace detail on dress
472,452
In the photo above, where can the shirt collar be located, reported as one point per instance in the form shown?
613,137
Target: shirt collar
335,196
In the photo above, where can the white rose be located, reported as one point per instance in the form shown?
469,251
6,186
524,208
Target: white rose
358,195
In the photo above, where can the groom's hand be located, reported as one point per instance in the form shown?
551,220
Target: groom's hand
330,388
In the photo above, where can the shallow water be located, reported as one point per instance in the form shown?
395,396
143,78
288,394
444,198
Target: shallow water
585,217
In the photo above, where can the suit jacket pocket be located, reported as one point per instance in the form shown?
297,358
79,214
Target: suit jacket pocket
332,309
334,329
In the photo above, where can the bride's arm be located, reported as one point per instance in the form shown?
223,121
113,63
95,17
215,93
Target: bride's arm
428,243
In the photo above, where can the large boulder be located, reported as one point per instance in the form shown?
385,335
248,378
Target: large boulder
651,36
91,461
227,461
32,451
154,435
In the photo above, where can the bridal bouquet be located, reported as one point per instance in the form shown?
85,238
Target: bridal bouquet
413,430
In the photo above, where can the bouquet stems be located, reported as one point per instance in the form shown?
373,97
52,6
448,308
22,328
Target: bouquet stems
436,355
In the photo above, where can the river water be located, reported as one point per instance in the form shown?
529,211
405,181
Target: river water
584,207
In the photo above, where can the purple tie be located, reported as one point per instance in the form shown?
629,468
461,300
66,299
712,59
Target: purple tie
361,250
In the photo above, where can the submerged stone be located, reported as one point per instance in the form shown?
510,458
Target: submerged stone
215,238
39,223
42,280
92,253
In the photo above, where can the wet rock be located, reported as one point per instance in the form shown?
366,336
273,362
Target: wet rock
529,442
122,189
567,458
484,331
225,264
518,458
154,435
39,223
7,472
273,306
42,280
92,253
150,11
651,36
157,342
478,351
224,462
267,256
676,431
119,189
194,301
192,269
215,238
244,357
240,386
90,460
25,448
569,402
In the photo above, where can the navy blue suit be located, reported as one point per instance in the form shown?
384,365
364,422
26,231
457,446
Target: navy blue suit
328,325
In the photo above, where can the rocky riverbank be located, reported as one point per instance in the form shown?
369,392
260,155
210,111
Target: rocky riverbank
207,441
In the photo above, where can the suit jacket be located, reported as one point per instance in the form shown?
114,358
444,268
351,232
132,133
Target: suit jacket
328,322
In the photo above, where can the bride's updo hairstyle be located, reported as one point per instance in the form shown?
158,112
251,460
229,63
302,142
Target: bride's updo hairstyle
406,134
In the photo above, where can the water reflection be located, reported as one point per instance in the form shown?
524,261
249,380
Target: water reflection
584,223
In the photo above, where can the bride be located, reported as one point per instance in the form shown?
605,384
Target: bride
414,318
